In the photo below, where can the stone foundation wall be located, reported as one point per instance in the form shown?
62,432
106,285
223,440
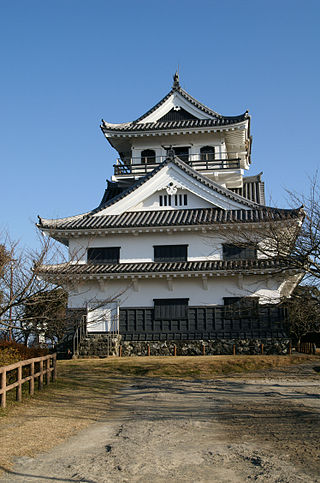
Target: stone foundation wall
208,347
103,345
100,345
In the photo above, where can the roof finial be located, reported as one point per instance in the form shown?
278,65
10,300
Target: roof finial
176,81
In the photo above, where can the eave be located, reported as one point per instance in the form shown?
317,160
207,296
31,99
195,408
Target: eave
113,133
64,235
206,268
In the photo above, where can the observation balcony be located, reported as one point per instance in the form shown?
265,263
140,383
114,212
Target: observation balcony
204,163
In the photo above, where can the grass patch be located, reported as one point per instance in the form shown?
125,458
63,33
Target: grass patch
200,367
84,388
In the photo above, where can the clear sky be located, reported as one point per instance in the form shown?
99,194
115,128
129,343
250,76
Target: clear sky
65,64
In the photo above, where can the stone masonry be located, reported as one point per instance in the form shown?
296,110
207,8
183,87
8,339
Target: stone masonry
103,345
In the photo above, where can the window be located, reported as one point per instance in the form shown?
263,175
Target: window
173,200
148,156
238,252
207,153
182,153
231,300
103,255
242,307
170,253
168,309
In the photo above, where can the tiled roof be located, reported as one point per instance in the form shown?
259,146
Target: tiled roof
190,217
165,267
199,177
164,125
214,119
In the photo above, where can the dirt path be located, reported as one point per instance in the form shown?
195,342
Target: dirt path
264,428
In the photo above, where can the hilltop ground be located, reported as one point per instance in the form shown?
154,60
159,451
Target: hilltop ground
261,425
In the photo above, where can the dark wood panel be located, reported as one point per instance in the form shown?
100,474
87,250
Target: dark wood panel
203,323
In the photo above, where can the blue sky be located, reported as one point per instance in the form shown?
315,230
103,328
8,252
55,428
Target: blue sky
67,64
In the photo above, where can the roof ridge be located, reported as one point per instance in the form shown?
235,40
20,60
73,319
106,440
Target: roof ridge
175,89
198,104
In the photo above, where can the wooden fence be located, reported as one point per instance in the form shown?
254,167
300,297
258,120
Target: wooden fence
306,347
46,367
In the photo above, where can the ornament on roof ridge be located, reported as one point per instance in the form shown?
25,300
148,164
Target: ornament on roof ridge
176,81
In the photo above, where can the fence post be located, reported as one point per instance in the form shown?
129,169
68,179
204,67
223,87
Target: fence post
3,380
234,349
290,349
174,350
148,349
54,372
19,387
120,350
203,350
31,383
262,349
41,375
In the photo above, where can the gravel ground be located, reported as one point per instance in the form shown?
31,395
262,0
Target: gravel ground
259,427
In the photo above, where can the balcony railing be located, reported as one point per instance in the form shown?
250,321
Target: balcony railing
203,162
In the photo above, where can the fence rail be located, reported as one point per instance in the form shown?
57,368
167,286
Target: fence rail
203,164
306,348
47,370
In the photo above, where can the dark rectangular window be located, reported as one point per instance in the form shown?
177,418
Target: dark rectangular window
170,309
231,300
170,253
242,307
182,153
238,252
104,255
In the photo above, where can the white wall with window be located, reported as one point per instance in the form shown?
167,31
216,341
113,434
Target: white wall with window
210,292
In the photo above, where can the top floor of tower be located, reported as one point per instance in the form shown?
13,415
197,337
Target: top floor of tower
217,146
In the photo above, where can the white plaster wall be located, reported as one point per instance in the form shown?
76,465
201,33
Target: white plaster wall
194,141
152,202
140,248
148,289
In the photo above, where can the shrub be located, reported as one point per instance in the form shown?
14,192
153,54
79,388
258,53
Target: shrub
11,352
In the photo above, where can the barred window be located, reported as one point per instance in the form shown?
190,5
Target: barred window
170,309
103,255
173,200
241,307
239,252
170,253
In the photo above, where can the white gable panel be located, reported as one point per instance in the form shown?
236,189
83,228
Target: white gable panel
176,100
171,173
153,202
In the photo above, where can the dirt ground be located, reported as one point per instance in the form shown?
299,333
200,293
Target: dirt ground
262,427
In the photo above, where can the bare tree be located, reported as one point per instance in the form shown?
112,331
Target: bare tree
290,240
45,315
20,283
306,247
303,312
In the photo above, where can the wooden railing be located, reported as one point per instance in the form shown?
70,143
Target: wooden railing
128,166
26,372
306,347
79,335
